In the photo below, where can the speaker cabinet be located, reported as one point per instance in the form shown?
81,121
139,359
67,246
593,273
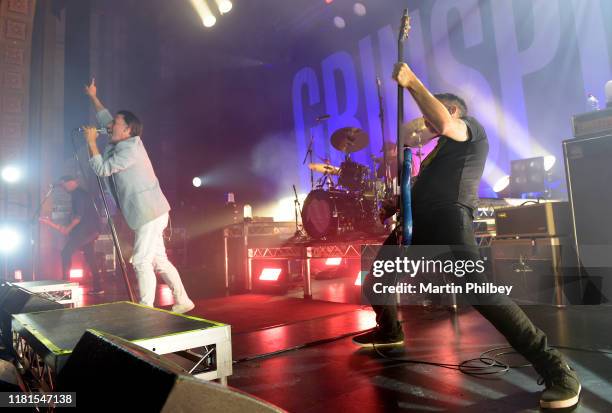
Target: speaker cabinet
588,167
110,373
16,300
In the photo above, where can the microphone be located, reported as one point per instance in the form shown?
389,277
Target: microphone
322,117
101,131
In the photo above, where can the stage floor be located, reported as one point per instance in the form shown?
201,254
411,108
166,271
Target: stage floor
333,375
336,376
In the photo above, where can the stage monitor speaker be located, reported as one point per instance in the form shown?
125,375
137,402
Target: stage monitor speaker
110,373
16,300
588,170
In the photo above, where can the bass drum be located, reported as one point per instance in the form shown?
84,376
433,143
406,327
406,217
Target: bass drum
331,213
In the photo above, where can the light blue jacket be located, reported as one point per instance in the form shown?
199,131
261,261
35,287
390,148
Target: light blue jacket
139,195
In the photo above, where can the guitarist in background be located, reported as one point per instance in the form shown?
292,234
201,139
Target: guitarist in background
81,233
443,200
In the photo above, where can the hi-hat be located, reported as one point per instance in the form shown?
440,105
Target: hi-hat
349,140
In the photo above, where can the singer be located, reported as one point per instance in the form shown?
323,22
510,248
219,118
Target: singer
136,189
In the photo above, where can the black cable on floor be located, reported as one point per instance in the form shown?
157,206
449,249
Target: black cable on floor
486,362
488,365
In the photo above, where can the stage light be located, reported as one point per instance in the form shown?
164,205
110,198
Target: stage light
10,239
247,212
11,174
284,210
359,9
333,261
197,182
224,6
209,21
549,162
339,22
270,274
201,7
501,184
76,273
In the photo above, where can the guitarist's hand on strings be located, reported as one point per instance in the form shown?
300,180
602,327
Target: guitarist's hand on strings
403,75
63,230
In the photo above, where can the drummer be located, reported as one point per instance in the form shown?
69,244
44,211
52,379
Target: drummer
390,152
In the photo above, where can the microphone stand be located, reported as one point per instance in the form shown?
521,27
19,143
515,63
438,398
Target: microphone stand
309,155
298,209
32,221
381,115
111,226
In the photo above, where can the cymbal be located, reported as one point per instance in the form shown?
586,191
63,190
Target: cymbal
415,133
324,168
349,140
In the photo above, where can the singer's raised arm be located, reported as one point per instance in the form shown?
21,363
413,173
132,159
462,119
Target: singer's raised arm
103,115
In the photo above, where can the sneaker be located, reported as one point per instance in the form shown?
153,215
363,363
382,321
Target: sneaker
184,307
379,339
562,388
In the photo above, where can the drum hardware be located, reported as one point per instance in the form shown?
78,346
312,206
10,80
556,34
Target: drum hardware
299,233
309,156
381,115
332,209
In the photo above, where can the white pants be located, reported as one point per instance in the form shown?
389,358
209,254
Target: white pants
149,257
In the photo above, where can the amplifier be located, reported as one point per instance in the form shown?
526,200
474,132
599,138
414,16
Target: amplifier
105,250
260,229
592,123
546,219
541,270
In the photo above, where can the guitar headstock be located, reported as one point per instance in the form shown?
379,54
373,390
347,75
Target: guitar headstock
404,26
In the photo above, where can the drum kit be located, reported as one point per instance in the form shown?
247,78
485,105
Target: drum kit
347,197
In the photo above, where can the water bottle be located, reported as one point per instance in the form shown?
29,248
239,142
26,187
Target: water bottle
592,102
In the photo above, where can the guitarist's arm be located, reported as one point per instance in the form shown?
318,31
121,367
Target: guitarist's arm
75,221
65,230
436,114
